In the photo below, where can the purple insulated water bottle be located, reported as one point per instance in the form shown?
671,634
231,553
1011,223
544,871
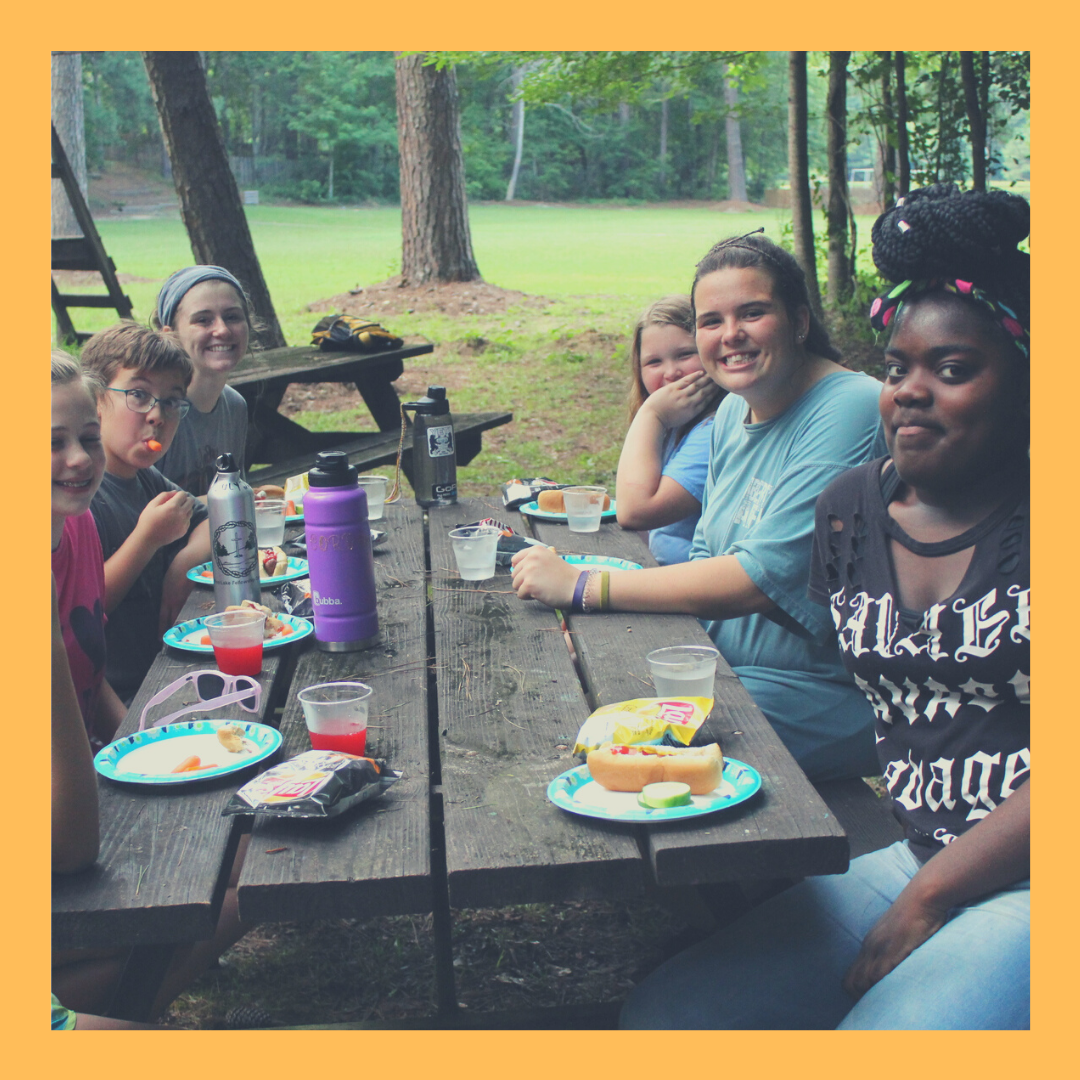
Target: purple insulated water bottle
339,556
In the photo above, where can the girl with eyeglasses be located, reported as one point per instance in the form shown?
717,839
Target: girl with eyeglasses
152,532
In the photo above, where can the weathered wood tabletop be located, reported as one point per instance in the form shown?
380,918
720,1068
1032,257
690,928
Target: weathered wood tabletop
478,703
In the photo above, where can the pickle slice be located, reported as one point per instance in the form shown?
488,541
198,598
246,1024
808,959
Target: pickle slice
661,796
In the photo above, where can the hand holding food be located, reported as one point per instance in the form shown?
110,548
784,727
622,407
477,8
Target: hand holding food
552,502
539,574
631,768
166,517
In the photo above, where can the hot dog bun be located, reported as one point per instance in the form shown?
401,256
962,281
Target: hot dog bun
630,768
552,502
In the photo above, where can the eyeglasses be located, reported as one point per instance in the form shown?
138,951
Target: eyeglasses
214,690
142,401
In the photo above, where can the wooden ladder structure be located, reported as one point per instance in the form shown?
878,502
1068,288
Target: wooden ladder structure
84,252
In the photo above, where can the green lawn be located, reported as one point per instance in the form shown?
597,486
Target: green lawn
562,369
620,256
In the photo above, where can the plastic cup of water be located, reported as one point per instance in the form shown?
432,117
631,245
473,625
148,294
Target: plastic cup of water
270,522
237,638
336,715
584,505
474,549
375,487
683,671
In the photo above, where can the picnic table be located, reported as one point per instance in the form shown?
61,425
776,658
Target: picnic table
477,701
279,447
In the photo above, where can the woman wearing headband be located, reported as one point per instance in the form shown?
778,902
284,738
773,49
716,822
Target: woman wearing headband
923,558
793,420
209,312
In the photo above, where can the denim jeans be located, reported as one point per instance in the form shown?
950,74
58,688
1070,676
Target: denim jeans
781,965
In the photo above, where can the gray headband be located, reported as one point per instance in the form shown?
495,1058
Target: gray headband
174,290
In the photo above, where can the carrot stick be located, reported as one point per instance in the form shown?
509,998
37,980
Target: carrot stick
187,764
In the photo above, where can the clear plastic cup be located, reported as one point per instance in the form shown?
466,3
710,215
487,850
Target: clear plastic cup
336,715
584,505
683,671
474,549
237,637
375,487
270,522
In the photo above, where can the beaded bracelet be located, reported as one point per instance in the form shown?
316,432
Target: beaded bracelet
589,600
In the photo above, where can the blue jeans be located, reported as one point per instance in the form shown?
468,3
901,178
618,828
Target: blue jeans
781,965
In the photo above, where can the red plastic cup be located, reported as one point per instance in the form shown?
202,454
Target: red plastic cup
237,638
336,715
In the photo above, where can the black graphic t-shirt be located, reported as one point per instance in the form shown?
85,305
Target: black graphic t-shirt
949,686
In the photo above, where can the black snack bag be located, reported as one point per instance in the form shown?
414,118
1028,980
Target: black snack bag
315,784
516,493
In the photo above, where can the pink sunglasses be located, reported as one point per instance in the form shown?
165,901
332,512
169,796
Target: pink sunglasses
214,688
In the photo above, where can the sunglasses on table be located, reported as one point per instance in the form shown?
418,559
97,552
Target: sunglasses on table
142,401
214,689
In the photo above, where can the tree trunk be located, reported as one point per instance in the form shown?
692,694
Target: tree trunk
435,241
736,165
67,115
518,124
903,159
976,120
887,188
802,219
663,141
209,199
840,287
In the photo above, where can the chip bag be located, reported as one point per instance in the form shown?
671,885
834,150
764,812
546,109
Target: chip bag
316,784
643,721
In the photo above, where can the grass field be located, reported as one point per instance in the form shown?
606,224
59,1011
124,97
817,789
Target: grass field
561,368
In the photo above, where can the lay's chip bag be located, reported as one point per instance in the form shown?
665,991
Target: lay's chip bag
643,722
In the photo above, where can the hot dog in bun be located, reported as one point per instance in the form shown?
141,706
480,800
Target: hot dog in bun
551,502
630,768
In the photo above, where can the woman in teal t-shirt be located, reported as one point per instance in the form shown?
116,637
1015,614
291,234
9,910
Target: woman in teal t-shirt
792,421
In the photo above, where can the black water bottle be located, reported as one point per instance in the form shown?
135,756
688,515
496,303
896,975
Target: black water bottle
434,456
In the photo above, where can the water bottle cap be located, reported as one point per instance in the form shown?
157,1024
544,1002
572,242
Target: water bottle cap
225,463
332,469
435,404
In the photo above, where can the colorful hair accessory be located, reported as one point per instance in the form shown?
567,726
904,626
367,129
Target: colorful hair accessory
885,306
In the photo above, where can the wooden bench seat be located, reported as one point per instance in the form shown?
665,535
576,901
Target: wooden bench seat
867,819
370,449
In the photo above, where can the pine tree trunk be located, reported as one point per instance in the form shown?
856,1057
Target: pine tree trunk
840,286
518,124
903,158
887,189
736,164
209,199
435,240
802,220
663,141
67,115
976,120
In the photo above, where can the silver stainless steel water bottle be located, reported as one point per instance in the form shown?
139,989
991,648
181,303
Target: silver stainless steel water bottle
434,454
233,544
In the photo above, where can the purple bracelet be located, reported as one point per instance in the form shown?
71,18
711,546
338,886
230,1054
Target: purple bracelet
579,592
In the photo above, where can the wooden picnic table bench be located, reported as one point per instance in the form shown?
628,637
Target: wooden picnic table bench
478,702
278,447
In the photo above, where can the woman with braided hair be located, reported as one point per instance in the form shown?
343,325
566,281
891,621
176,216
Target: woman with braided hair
922,557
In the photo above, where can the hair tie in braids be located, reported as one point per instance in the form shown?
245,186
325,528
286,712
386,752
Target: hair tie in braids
887,305
965,243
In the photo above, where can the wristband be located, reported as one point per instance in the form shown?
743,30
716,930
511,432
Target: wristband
605,583
590,602
579,592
